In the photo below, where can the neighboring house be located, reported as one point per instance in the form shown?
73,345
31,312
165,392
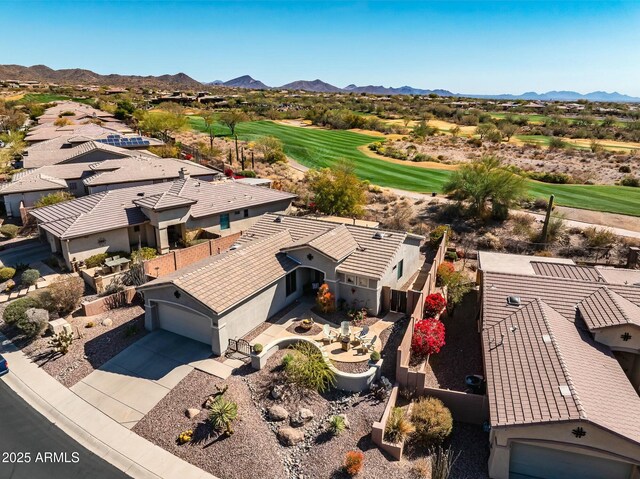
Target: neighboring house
81,178
49,131
278,260
159,215
561,348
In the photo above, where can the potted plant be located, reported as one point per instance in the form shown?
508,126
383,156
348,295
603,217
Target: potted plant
306,324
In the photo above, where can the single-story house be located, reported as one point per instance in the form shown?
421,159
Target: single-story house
561,349
277,261
81,178
160,215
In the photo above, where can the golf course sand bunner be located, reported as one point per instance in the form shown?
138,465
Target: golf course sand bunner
317,148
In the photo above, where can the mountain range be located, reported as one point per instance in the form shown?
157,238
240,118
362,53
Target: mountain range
183,81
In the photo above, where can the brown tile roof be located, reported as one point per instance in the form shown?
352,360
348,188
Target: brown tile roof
336,243
220,282
542,364
41,157
163,201
372,258
115,209
569,271
605,308
32,182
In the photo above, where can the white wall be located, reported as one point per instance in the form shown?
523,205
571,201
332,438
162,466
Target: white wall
12,201
81,248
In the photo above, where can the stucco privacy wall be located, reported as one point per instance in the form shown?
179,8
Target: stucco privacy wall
12,201
596,442
78,249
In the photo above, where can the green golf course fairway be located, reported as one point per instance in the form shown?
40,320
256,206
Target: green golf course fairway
315,148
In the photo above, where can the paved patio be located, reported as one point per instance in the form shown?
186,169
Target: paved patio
334,350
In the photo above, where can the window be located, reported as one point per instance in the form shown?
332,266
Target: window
291,283
236,212
400,268
364,282
224,221
351,279
73,185
246,213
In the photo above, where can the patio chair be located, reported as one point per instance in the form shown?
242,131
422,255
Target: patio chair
345,328
362,335
328,334
368,346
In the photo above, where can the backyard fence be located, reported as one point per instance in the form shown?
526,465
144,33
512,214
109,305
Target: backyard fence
102,305
176,259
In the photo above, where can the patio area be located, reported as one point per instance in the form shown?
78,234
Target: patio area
352,351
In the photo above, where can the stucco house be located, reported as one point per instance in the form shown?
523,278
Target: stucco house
561,348
277,261
158,215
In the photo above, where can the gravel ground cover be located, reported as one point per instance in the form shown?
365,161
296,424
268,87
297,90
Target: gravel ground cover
296,328
96,345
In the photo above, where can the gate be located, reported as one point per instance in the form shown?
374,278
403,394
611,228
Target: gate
398,301
240,346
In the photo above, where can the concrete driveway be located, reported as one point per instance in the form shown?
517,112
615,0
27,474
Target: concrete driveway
25,251
130,384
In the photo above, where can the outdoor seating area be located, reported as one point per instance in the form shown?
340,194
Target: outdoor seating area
346,343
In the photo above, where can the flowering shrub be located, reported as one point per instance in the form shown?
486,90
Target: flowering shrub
325,299
228,172
428,337
434,304
353,462
445,270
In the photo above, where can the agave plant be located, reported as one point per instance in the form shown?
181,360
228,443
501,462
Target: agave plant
398,426
222,413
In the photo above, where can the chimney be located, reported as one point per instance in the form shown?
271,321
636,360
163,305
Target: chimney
183,173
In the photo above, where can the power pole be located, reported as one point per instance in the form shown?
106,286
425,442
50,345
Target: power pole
545,228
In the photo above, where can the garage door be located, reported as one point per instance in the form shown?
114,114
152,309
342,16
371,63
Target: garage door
184,322
527,461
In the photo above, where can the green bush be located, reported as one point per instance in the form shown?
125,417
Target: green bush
451,256
630,180
548,177
599,238
10,231
95,260
34,322
30,277
257,348
287,359
308,369
437,234
337,425
6,273
15,311
144,254
375,356
432,421
248,173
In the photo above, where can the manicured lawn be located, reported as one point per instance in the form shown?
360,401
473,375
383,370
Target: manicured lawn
321,148
49,97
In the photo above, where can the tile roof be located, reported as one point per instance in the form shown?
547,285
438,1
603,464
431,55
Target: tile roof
115,209
605,308
29,181
220,282
569,271
372,258
163,201
49,131
38,157
541,362
336,243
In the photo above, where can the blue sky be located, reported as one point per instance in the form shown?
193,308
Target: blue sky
469,47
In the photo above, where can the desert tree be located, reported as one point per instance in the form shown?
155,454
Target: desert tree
231,118
337,190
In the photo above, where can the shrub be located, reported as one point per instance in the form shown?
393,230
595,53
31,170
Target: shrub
421,469
549,177
10,231
556,143
308,369
53,199
248,173
434,304
15,311
257,348
398,427
353,462
624,169
598,237
63,295
95,260
428,337
144,254
61,342
457,286
442,463
30,277
325,299
337,425
445,270
437,234
451,256
89,325
6,273
375,356
432,420
222,413
630,180
34,322
522,224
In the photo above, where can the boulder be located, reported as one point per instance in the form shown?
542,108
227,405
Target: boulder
289,436
108,322
58,325
277,413
301,417
192,412
276,392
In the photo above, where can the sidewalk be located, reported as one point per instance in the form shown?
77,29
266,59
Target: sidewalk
93,429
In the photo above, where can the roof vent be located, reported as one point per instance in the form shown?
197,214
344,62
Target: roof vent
546,338
141,193
378,235
564,390
278,219
513,300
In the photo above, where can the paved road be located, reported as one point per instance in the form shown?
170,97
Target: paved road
22,429
27,252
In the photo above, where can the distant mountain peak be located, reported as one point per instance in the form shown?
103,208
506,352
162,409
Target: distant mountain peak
316,85
246,81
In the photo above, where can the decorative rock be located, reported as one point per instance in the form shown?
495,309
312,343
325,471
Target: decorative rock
289,436
301,417
277,413
192,412
276,392
108,322
58,325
